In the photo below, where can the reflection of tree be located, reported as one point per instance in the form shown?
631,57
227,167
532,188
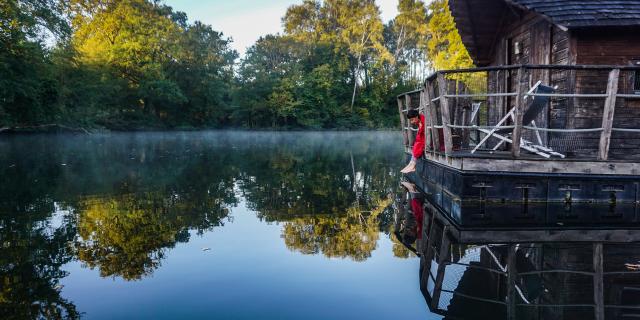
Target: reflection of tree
32,250
145,193
317,177
132,197
321,189
128,235
353,234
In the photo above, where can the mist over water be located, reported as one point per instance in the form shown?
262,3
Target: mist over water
228,225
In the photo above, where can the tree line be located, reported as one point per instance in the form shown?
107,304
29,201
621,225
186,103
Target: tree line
140,64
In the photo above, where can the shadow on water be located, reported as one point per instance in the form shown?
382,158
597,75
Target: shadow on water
585,276
119,202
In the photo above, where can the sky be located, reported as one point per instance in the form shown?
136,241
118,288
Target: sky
246,20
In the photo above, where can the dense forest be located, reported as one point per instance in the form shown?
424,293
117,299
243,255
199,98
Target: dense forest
139,64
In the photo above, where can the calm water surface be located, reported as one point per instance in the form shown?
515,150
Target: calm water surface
219,225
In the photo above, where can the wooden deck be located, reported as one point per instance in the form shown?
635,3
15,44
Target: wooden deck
502,161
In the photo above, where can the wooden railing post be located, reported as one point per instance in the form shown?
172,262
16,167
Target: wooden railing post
607,114
407,102
518,113
424,105
443,259
511,282
433,114
444,110
598,284
403,124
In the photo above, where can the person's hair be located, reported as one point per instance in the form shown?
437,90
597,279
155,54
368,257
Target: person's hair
412,113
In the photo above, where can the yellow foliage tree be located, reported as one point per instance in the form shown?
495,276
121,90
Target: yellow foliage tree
445,47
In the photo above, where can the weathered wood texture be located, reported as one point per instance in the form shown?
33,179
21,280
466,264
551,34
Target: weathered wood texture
617,47
539,165
446,118
521,89
608,113
530,40
403,122
572,14
598,283
480,21
558,32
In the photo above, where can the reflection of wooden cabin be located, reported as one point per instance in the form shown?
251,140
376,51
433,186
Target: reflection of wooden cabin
583,145
533,281
472,273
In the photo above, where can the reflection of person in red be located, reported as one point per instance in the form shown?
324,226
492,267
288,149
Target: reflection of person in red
416,207
416,118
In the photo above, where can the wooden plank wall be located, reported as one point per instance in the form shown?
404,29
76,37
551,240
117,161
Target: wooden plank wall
611,47
540,43
558,114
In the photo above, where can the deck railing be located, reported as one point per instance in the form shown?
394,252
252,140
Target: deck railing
593,112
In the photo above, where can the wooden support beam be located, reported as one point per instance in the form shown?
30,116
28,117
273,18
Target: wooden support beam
443,258
427,250
403,124
607,114
424,105
444,110
433,116
428,253
512,273
412,136
598,284
521,90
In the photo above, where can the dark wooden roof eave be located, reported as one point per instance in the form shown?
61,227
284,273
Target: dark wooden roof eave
584,14
479,21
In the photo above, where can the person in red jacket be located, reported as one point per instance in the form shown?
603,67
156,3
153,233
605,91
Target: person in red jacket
416,119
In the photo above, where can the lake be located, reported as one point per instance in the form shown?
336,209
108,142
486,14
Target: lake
216,225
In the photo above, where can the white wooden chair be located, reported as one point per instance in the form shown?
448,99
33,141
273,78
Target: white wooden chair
504,134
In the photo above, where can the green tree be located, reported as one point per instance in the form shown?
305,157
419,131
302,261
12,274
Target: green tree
27,83
203,70
354,27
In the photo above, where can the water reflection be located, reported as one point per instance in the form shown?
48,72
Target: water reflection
353,234
33,248
128,235
588,276
118,203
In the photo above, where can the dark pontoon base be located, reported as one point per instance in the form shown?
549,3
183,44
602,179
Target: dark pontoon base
514,200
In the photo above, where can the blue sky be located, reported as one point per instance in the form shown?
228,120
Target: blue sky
246,20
